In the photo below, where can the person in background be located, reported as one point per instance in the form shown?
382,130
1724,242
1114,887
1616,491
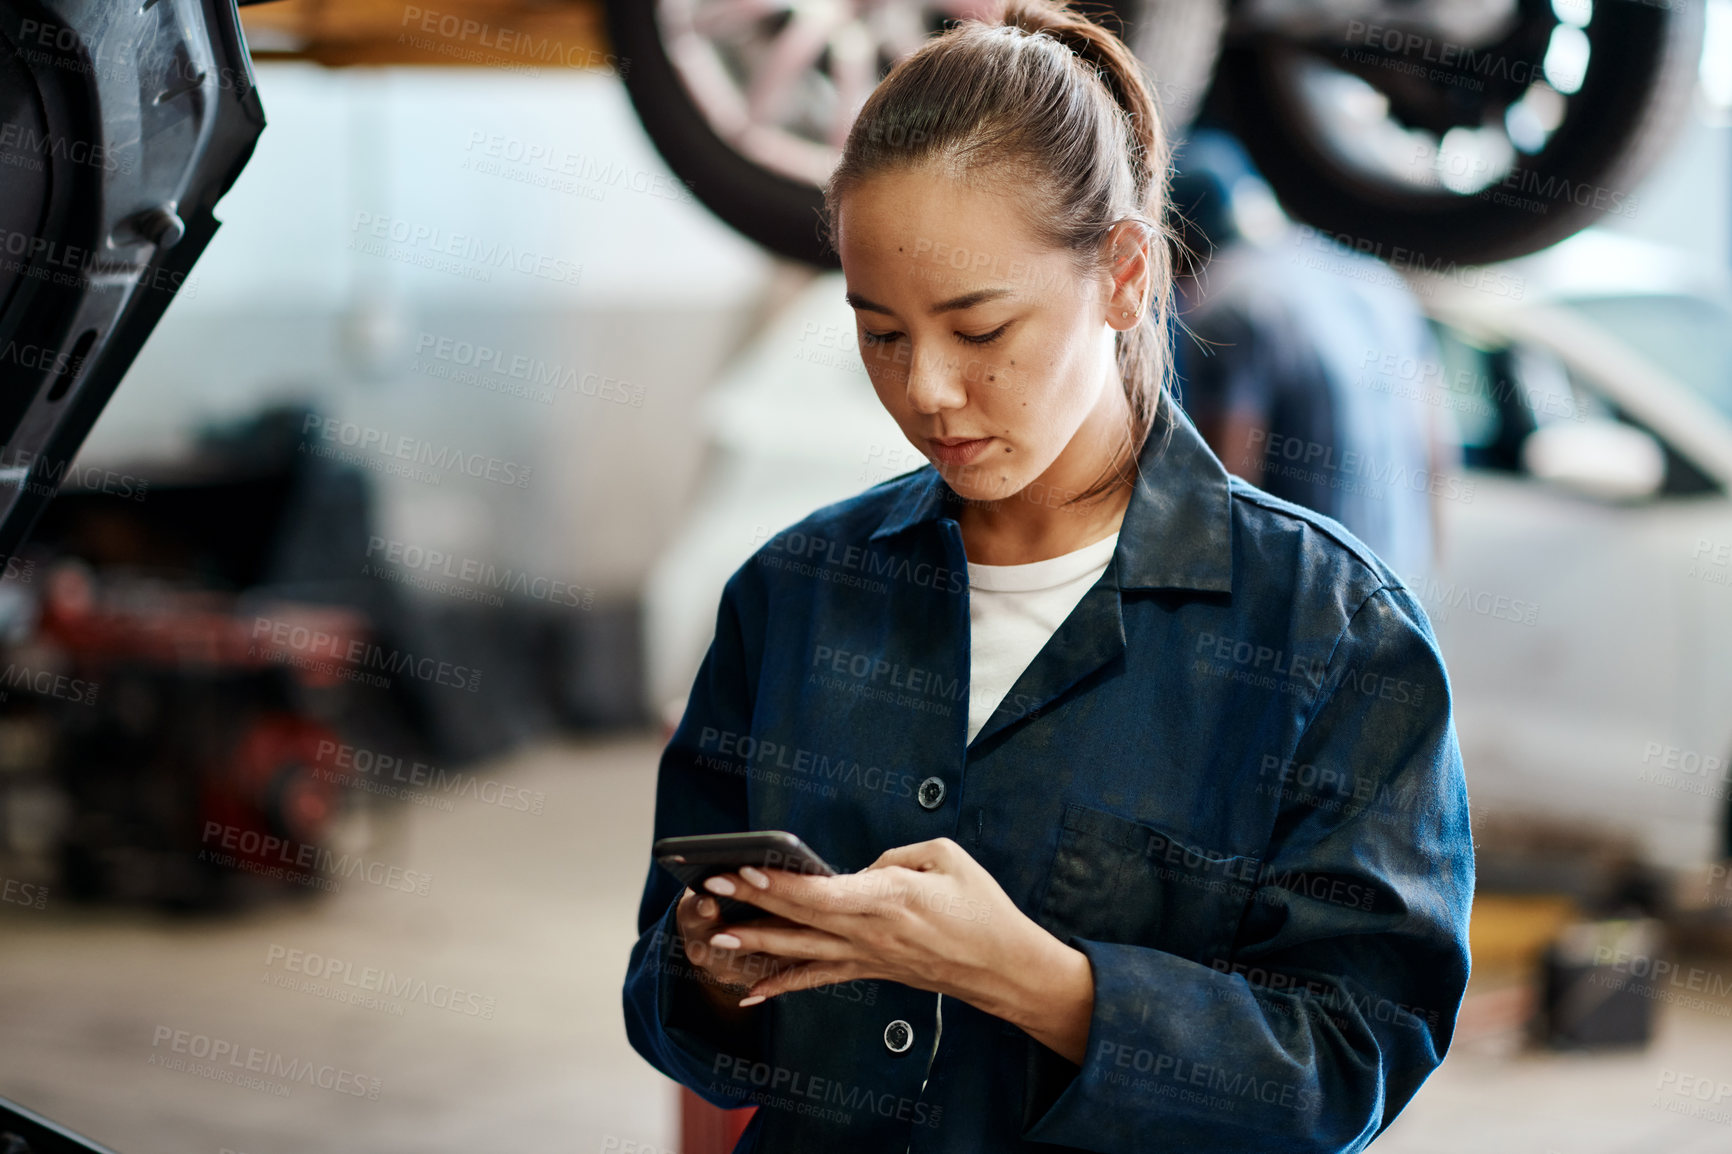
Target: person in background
1298,340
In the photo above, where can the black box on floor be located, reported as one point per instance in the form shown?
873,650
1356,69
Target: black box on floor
1598,985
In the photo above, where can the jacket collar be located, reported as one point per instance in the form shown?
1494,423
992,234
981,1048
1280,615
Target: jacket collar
1178,527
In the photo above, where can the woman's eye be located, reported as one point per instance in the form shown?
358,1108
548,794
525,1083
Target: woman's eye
986,338
873,338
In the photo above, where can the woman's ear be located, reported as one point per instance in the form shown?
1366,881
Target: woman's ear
1130,268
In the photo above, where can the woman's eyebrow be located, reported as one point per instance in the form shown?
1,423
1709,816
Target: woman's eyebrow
965,301
865,305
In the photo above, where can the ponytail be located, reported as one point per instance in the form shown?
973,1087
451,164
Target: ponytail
1114,64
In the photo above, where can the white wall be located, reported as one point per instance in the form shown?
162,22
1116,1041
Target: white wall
288,304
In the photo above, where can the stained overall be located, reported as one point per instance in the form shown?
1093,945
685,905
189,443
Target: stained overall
1231,779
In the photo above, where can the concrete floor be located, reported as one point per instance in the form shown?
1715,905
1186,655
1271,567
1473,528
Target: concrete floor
536,913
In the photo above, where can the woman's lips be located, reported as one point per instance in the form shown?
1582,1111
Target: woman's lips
958,452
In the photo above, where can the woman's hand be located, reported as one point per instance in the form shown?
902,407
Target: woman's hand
925,915
698,917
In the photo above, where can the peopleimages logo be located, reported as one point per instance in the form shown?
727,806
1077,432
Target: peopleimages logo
1711,562
1442,597
1351,470
549,165
45,475
1455,59
413,449
802,1092
222,1060
821,556
21,893
424,243
305,647
40,358
376,772
460,29
1226,1088
473,571
329,976
27,139
67,264
46,683
51,45
486,359
295,859
1493,281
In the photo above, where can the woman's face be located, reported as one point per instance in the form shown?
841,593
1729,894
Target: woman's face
989,349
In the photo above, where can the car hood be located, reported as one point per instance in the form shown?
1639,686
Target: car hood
121,126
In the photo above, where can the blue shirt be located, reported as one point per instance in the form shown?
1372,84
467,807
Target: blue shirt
1332,351
1230,779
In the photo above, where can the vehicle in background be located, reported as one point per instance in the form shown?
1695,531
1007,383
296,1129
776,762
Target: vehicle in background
1583,596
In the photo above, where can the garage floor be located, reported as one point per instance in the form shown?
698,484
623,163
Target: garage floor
535,912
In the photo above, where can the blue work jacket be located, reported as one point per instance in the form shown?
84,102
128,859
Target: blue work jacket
1230,779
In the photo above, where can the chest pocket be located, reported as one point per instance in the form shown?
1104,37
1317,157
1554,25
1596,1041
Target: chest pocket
1116,880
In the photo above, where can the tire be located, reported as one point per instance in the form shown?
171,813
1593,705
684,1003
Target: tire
1637,88
784,212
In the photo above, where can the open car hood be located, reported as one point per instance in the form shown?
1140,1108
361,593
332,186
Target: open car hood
121,126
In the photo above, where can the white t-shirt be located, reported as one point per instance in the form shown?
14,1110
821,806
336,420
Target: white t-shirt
1013,610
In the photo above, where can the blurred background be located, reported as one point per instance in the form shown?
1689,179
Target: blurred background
336,672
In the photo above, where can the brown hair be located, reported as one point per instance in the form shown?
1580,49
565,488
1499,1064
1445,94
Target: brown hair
1061,105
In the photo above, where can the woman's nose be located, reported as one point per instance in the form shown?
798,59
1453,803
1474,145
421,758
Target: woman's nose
935,381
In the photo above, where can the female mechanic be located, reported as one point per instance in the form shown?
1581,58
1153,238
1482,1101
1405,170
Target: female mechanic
1142,784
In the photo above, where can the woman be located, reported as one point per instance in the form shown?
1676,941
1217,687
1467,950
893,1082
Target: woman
1143,783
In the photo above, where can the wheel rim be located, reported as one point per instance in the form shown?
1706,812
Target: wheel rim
781,81
1455,131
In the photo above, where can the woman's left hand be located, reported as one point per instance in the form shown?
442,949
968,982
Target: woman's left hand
926,915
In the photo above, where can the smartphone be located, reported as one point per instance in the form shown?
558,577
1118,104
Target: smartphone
694,858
